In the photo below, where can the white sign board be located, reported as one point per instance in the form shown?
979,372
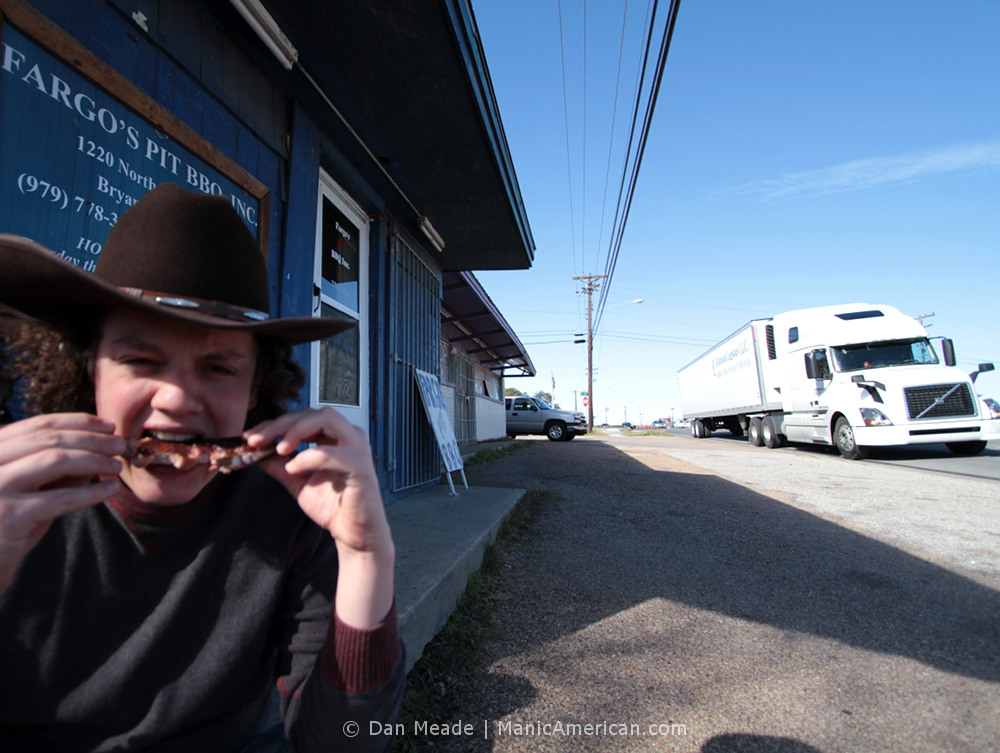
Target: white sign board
437,414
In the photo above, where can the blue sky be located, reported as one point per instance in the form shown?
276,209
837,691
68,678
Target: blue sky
801,154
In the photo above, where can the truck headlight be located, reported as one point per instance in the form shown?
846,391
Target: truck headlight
874,417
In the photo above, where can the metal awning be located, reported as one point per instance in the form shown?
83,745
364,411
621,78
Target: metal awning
471,322
403,88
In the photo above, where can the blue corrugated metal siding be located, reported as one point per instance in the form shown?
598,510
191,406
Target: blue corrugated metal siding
186,62
181,63
415,315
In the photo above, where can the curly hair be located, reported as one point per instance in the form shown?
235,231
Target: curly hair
55,369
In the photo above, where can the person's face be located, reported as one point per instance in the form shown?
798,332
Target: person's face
154,375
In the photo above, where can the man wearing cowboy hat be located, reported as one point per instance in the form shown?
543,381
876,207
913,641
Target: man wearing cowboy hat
156,606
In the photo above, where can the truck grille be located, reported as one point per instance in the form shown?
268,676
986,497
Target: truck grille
957,403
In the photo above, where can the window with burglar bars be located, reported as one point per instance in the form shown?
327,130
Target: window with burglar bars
415,322
465,401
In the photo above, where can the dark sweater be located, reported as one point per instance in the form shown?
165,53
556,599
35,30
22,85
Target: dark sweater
135,627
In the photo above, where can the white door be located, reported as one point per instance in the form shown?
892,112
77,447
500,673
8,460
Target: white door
340,363
807,401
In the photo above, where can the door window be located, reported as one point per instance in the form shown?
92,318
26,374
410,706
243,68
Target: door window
340,363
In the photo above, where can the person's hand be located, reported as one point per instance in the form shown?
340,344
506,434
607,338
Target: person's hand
335,484
333,480
48,467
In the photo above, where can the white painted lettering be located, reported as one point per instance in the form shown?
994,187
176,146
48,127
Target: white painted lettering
12,59
85,106
35,75
167,160
60,91
202,182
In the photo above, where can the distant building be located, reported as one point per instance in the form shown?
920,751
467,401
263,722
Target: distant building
478,348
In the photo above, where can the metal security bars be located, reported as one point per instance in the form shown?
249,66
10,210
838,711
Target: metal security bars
415,324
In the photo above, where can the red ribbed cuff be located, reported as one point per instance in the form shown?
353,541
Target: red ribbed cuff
357,660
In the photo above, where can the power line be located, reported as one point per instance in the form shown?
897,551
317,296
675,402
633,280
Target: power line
614,116
624,203
660,340
612,252
569,168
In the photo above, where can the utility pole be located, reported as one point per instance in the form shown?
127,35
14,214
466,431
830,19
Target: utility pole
590,284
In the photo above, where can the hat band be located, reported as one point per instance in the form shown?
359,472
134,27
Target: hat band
212,308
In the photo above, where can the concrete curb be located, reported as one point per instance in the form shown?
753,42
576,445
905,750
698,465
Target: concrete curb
440,541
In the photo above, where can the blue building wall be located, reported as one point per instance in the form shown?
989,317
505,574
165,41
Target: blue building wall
189,65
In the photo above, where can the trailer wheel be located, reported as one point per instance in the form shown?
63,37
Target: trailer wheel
847,445
769,435
755,432
696,428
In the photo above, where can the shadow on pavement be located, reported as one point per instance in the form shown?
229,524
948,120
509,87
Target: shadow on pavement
738,743
625,534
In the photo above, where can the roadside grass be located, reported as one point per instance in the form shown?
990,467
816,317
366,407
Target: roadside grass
459,648
495,453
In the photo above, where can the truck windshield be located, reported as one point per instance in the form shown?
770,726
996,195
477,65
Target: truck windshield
541,403
890,353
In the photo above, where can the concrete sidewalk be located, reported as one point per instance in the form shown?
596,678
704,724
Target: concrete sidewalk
440,540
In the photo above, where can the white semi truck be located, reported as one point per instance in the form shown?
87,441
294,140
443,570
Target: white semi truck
853,376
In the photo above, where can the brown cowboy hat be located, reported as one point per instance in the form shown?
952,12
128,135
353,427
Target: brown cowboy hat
183,255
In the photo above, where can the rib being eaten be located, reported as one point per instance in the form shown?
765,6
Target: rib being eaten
225,454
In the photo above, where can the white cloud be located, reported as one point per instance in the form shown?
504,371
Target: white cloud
877,171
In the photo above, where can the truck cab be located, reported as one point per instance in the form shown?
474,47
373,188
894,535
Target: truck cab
859,377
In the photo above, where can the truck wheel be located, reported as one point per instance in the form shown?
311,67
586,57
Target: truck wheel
769,435
966,449
755,432
556,431
847,446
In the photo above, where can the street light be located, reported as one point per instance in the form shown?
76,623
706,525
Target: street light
637,300
590,285
590,366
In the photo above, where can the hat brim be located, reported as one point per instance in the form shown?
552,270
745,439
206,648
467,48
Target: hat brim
37,283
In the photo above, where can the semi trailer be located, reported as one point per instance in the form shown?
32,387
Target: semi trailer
852,376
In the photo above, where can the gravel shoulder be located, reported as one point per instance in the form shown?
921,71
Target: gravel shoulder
689,597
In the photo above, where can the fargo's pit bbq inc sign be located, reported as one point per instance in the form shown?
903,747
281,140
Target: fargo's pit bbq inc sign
73,158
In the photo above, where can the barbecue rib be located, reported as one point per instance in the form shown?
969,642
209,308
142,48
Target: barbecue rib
225,454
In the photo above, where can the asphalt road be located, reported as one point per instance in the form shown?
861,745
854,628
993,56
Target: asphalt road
933,457
712,597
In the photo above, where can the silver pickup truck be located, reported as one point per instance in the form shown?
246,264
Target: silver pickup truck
529,415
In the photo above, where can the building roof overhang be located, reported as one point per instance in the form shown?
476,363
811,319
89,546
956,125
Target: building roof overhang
404,88
471,322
